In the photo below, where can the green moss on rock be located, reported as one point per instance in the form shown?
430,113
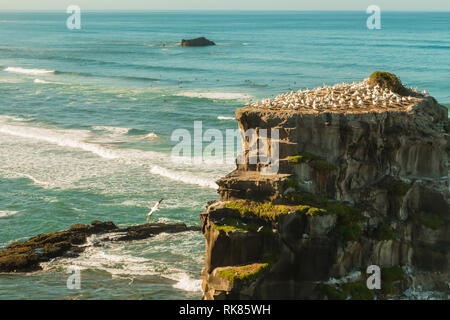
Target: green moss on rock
311,211
305,198
384,232
350,290
316,212
399,188
228,229
291,183
266,211
302,209
389,276
348,220
243,274
314,161
232,224
304,157
387,80
358,291
332,293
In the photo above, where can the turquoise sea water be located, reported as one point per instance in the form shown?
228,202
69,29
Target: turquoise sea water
86,119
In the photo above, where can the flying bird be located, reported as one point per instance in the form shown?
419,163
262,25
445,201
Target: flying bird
154,209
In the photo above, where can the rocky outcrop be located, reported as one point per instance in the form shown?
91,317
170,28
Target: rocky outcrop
26,256
353,189
198,42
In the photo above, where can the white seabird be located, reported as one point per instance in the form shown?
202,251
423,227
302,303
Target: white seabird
154,209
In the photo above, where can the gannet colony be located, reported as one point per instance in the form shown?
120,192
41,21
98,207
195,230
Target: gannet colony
340,97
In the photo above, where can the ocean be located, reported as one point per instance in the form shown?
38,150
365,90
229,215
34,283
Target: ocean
87,116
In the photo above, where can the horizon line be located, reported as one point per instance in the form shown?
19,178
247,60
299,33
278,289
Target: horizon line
214,10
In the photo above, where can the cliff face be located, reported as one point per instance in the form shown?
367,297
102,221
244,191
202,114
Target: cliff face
354,188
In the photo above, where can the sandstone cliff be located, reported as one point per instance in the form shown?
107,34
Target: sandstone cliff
356,186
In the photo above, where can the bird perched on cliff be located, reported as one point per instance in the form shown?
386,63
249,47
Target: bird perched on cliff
154,209
337,98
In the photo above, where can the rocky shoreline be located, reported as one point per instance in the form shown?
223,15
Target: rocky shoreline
26,256
365,184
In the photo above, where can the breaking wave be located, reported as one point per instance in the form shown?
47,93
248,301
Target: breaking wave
5,213
225,118
215,95
184,177
28,71
182,169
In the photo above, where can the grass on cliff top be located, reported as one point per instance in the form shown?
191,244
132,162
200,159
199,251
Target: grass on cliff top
310,211
266,211
388,80
246,273
303,157
314,161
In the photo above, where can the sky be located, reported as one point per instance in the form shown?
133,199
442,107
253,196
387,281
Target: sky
356,5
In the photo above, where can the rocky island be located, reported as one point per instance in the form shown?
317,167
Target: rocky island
197,42
362,180
27,256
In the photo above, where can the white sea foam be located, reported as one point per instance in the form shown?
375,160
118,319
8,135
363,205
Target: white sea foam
352,276
417,293
186,283
184,177
56,137
116,130
10,80
39,81
12,118
111,262
5,213
120,260
123,131
29,176
28,71
215,95
54,171
225,118
151,136
167,220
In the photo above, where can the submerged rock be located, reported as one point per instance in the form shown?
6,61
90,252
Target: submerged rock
367,185
198,42
26,256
